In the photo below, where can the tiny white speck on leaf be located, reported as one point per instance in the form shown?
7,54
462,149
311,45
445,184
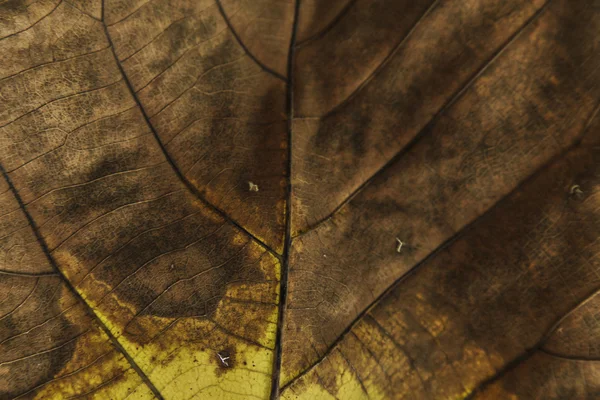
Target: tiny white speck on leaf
223,359
576,189
400,244
252,187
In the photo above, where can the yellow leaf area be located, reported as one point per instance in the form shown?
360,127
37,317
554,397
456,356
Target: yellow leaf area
109,376
191,357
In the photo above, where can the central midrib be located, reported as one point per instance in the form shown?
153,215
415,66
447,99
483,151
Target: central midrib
288,209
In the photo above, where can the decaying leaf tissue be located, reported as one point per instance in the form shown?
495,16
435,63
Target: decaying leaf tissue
300,199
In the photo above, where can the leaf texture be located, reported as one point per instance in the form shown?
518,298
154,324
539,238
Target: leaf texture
299,199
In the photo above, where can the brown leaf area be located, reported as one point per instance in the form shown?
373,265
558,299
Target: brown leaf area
299,199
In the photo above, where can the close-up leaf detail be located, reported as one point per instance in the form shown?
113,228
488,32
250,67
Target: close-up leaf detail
300,199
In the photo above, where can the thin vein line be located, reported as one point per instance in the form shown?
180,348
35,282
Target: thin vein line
193,189
45,64
50,350
329,26
128,15
152,40
81,11
28,274
288,211
354,372
380,67
241,43
35,23
567,357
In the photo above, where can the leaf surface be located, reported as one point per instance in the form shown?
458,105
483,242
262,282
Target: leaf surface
299,199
